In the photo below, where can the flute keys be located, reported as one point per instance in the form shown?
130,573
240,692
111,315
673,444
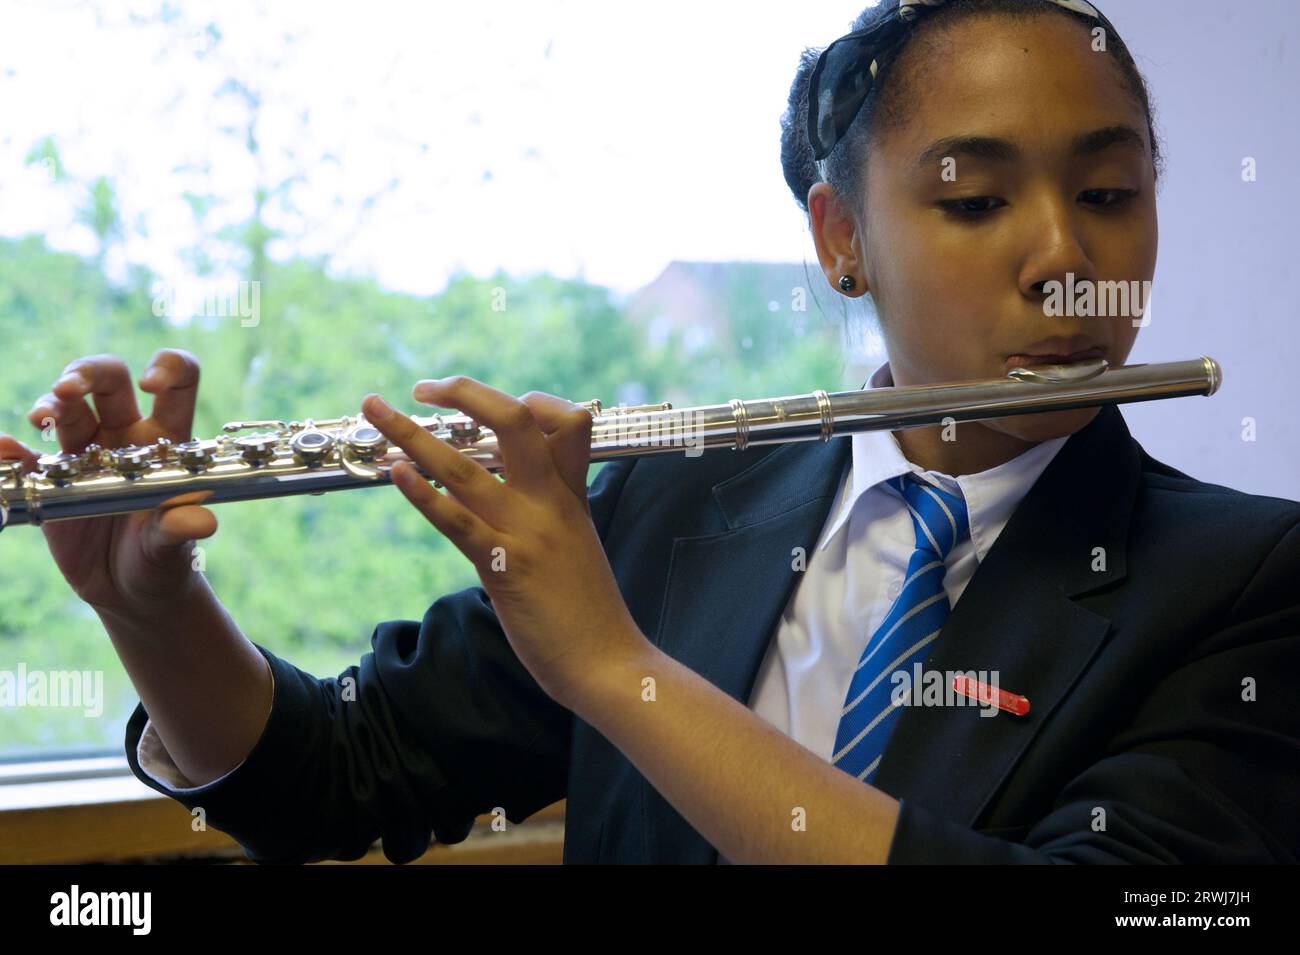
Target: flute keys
311,447
60,468
257,449
131,461
196,455
463,429
94,458
366,442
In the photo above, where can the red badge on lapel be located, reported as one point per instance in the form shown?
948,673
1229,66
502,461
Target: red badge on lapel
1012,703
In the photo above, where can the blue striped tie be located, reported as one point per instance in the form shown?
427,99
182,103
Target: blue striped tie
904,639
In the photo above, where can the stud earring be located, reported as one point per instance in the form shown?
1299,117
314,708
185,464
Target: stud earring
847,283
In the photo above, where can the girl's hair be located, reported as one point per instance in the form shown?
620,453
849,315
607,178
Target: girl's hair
882,110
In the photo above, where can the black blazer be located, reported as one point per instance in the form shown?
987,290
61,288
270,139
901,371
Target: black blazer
1163,687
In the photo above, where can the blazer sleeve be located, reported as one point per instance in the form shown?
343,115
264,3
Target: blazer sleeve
439,724
1207,773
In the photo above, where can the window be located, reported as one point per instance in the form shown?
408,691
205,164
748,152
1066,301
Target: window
318,205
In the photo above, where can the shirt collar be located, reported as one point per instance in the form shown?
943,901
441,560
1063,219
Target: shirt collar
991,495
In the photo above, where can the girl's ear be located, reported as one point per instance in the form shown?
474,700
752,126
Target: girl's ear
835,234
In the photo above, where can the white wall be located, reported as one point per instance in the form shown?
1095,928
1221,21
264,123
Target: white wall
1225,77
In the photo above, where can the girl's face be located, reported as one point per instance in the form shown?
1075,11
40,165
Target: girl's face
958,293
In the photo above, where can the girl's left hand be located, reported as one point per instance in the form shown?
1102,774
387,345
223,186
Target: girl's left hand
530,537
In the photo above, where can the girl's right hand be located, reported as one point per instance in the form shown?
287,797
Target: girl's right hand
130,564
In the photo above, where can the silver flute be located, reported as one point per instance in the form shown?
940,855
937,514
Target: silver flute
280,458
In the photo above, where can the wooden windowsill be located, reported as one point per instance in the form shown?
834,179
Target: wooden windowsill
105,816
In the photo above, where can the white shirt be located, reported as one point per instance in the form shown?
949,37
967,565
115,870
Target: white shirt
857,568
850,582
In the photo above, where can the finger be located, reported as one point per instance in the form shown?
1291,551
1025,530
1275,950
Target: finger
179,520
107,378
523,447
467,479
174,527
568,435
74,421
11,449
549,410
457,523
173,379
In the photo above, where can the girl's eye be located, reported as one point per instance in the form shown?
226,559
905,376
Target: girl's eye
975,207
1117,196
971,208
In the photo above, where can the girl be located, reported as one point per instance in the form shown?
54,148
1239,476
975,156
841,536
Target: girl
720,659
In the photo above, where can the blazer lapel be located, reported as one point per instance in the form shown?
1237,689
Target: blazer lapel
1019,616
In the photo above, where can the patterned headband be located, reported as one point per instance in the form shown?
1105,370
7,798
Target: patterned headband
842,77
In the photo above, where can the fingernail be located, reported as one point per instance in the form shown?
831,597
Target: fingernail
71,378
378,409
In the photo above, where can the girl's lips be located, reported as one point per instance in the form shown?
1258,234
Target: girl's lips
1022,361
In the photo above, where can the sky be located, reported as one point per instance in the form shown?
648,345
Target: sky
586,139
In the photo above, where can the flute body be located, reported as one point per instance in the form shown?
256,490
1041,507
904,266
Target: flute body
311,457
